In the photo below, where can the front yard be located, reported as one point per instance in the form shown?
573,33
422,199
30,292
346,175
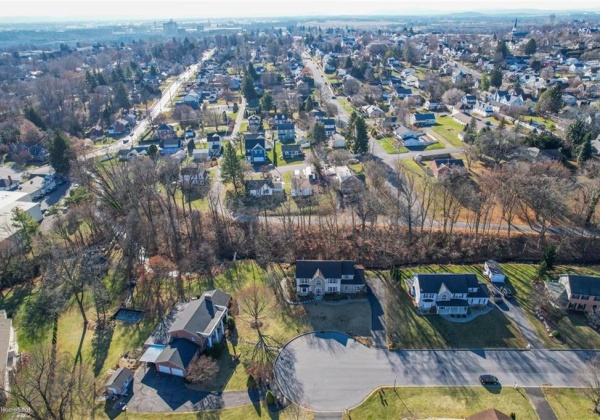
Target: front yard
570,403
442,402
391,146
448,129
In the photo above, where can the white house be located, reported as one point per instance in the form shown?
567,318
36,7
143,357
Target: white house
321,277
263,187
119,381
484,109
493,271
447,293
300,185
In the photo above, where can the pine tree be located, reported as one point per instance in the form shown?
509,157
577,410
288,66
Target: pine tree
248,88
496,77
585,151
191,146
485,82
122,97
530,47
318,133
231,168
153,151
252,72
59,149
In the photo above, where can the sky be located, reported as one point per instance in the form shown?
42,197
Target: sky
149,9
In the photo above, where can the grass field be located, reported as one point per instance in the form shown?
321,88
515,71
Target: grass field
442,402
391,146
435,146
280,160
448,130
569,403
346,105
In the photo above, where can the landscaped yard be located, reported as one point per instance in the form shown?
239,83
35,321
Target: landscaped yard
246,412
391,146
443,402
280,160
435,146
448,129
569,403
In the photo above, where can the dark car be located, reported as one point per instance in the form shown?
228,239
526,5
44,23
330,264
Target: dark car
506,292
495,297
488,380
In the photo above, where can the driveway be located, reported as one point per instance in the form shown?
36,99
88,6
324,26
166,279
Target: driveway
332,372
154,392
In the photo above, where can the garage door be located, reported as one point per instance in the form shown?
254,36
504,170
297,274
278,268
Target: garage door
164,369
177,372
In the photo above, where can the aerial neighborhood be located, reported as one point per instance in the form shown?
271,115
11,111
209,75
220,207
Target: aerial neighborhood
363,217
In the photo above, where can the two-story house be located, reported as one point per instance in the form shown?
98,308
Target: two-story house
483,109
329,124
420,120
447,293
255,149
321,277
215,145
254,123
286,132
581,293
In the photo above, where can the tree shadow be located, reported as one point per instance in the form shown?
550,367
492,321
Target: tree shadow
100,346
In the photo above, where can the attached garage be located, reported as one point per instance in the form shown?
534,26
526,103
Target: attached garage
176,357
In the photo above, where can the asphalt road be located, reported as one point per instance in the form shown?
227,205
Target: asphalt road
330,372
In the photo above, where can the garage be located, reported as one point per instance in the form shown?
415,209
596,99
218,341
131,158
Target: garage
175,357
177,372
164,369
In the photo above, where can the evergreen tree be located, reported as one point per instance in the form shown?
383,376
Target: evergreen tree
122,96
153,151
318,133
252,72
248,90
585,151
26,227
59,149
357,139
231,168
309,104
348,63
266,102
551,100
530,47
90,81
496,77
191,146
502,49
485,82
32,115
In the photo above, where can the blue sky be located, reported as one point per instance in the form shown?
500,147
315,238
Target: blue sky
144,9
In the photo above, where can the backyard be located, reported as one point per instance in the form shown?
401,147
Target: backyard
448,129
391,146
442,402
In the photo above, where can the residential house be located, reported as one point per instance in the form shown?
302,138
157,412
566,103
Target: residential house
263,187
402,92
165,132
373,111
119,381
442,167
447,293
300,186
254,123
9,349
255,149
170,146
215,145
38,153
579,293
338,141
291,152
348,182
329,124
8,184
469,100
280,119
286,132
489,414
420,120
317,114
432,106
412,139
484,109
191,176
544,155
129,154
120,126
187,330
201,155
321,277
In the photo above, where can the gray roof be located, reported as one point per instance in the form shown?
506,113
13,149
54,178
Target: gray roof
455,283
290,148
200,315
306,269
494,267
449,162
583,285
119,377
179,353
285,126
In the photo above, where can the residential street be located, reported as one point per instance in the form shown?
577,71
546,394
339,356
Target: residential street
331,372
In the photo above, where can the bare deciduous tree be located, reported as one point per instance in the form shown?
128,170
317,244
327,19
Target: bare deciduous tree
202,371
256,302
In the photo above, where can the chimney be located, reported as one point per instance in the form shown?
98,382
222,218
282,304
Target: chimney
208,296
10,181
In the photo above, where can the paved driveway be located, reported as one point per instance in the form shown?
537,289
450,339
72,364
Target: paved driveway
331,372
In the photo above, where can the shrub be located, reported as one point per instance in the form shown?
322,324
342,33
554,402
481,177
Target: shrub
555,333
230,323
215,351
203,370
270,398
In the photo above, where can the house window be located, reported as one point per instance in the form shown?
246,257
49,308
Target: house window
331,281
442,308
304,290
444,297
303,281
332,289
585,297
358,288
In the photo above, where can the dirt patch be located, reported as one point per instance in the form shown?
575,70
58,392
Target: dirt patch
353,317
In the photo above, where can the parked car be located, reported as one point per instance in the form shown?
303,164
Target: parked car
496,297
488,380
506,292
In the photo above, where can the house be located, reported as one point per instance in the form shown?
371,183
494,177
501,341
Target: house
263,187
442,167
191,176
447,293
165,132
129,154
189,328
280,119
484,109
320,277
373,111
291,152
255,149
215,145
580,293
420,120
489,414
8,184
402,92
493,271
119,381
170,146
300,186
9,349
286,132
544,155
338,141
329,124
254,123
432,106
201,155
119,127
469,100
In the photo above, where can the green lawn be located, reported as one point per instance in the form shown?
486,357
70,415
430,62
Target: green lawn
448,129
346,105
357,168
569,403
435,146
391,146
442,402
280,160
244,126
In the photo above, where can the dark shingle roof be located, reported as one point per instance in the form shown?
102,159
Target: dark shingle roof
119,377
179,353
290,148
330,269
423,117
449,162
285,126
199,315
256,184
584,285
455,283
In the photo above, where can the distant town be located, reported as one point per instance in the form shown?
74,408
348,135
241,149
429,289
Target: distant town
336,217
